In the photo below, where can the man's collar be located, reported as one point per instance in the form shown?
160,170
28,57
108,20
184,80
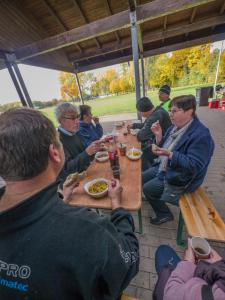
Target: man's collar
66,132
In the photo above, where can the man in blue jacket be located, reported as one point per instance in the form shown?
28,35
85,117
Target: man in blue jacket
184,153
90,129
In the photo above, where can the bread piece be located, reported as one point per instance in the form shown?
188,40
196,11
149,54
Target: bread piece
74,177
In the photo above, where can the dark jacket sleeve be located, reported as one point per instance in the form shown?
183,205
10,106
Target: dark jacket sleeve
77,164
99,130
145,133
137,125
121,261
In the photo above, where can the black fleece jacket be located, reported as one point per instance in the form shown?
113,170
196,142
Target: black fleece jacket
76,158
52,251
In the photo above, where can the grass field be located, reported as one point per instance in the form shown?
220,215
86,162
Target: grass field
122,103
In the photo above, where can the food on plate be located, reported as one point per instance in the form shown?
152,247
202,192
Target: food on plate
102,156
74,177
134,154
97,187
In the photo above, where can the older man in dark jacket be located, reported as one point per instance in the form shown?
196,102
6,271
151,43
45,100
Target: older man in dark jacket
77,155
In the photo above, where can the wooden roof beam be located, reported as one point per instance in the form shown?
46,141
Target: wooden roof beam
145,12
186,44
165,23
168,48
221,12
110,13
193,14
104,63
164,26
58,19
222,9
77,7
148,37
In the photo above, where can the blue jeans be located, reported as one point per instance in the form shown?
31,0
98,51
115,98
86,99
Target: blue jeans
157,192
164,256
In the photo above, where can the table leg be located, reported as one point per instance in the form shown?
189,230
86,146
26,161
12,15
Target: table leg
180,241
140,222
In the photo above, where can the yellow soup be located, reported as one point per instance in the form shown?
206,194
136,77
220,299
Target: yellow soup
97,187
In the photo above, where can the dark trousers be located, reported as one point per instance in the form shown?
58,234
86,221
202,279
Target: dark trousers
157,193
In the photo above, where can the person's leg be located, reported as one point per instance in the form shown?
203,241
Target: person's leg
164,256
149,174
153,190
172,193
147,160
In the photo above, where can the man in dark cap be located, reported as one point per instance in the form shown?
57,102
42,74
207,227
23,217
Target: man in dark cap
145,135
164,96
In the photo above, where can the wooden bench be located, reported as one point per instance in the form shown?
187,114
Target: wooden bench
200,217
125,297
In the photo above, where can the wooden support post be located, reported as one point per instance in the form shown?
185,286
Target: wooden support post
15,82
135,52
79,88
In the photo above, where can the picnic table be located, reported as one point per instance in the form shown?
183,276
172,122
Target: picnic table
130,179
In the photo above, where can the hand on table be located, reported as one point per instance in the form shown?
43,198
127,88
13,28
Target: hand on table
115,193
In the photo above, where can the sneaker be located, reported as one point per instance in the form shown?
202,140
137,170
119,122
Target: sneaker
161,220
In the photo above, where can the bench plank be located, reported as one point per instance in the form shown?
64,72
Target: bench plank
200,216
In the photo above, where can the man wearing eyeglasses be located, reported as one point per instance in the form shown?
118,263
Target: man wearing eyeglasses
77,156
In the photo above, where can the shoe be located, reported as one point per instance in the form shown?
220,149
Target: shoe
161,220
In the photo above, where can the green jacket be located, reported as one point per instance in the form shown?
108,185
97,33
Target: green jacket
165,105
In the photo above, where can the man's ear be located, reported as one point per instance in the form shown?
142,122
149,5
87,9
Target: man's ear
54,153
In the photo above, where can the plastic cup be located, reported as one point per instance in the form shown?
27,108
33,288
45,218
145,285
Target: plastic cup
122,149
200,247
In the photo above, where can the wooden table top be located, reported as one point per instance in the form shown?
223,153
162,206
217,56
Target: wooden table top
130,178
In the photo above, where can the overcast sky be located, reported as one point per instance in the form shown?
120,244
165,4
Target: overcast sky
42,84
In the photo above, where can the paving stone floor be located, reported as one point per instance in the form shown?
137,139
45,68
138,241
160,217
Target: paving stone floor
143,284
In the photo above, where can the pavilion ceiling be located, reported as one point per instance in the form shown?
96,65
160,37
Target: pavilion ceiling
87,34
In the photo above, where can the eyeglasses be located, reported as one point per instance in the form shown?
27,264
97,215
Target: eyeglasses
173,111
71,118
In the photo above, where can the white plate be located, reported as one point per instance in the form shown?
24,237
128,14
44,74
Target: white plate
133,157
98,195
102,159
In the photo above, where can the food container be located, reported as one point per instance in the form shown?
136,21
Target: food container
102,156
200,247
95,184
122,148
134,154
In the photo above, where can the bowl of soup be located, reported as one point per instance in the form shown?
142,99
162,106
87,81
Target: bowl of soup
134,153
97,188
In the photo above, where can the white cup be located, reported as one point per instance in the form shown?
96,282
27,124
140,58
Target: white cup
200,247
